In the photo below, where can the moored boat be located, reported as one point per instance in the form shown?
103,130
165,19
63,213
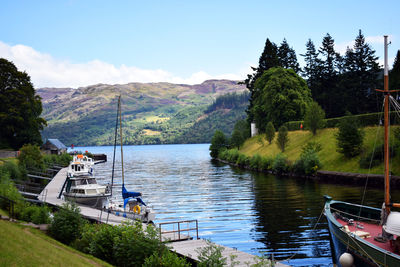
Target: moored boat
363,235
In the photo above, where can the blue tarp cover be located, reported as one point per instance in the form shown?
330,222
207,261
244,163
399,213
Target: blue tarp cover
127,194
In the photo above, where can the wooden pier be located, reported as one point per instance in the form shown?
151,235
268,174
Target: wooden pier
181,240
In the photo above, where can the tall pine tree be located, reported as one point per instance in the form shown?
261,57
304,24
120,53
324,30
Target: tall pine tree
312,70
287,57
394,75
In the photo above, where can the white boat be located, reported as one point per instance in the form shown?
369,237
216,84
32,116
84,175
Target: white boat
84,159
132,207
77,168
86,191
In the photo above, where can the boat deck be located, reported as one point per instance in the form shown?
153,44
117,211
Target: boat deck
368,232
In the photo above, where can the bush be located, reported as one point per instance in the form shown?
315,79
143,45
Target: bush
243,160
62,160
270,132
211,255
218,142
266,164
255,162
314,117
30,157
308,163
282,138
349,138
167,259
102,241
8,190
14,170
281,164
375,157
36,214
67,223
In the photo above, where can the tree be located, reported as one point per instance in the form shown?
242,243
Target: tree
270,132
20,108
267,60
282,96
240,133
282,138
349,137
394,75
287,57
218,142
314,118
311,70
360,78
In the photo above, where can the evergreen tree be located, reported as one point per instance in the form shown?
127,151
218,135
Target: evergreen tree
241,132
270,132
311,70
218,142
314,118
327,94
282,138
360,78
268,59
287,57
349,137
20,108
394,75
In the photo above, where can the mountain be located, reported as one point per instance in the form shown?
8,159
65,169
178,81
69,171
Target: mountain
153,113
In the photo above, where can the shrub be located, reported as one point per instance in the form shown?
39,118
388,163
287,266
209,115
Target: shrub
282,138
308,163
266,164
375,157
62,160
102,241
255,162
30,157
36,214
167,259
270,132
14,170
281,164
8,190
314,117
211,255
67,223
218,142
349,138
243,160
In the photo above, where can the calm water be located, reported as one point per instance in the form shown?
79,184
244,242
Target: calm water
256,213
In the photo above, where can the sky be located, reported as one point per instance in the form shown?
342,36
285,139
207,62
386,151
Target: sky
73,43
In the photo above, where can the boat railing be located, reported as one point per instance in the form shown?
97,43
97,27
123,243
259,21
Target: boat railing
178,231
358,217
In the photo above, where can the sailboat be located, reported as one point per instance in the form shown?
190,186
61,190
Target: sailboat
133,207
362,235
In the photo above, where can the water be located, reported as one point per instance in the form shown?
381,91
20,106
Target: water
257,213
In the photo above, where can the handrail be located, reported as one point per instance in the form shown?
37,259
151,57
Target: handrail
179,230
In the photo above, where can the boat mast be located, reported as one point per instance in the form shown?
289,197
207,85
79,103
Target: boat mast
386,119
120,133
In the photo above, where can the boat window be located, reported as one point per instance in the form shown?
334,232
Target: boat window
91,181
91,191
81,191
73,183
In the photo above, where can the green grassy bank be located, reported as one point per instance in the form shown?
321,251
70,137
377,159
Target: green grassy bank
25,246
331,159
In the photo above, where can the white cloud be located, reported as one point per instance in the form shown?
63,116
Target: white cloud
46,71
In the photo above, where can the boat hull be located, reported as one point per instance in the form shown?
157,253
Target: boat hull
363,252
144,217
96,201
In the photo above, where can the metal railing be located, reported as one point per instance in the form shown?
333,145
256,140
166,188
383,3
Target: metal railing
183,233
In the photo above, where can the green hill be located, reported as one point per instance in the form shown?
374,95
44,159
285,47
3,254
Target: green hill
331,159
153,113
25,246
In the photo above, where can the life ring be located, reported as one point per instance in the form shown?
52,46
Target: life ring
136,209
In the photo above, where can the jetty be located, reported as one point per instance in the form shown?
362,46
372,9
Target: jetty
182,237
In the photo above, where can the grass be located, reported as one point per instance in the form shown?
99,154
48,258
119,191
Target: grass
25,246
331,159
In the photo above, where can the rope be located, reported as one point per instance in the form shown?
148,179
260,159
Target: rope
350,236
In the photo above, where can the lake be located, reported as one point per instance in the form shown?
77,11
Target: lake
257,213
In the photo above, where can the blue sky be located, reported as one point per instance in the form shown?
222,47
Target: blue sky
77,43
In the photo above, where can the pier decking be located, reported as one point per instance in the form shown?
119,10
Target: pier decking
188,247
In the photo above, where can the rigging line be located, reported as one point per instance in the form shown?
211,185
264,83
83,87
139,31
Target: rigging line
370,164
115,145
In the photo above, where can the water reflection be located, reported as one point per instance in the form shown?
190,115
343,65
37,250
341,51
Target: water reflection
256,213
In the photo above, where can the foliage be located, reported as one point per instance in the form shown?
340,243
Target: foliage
240,133
243,160
228,101
30,157
14,170
67,223
36,214
8,190
281,164
394,74
375,157
349,138
230,155
166,259
314,118
20,108
134,245
211,255
61,160
218,142
287,57
280,95
270,132
309,162
282,138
